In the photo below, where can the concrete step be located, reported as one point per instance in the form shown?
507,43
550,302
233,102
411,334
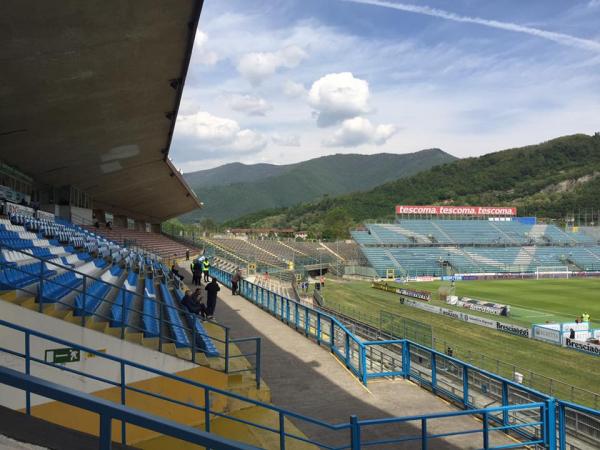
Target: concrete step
30,303
239,432
60,312
10,296
256,436
136,337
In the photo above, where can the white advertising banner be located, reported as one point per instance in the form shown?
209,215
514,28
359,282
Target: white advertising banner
476,320
547,334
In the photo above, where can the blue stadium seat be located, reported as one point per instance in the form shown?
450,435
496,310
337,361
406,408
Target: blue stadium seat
20,276
95,293
56,288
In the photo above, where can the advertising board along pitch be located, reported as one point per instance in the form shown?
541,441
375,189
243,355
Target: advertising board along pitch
469,318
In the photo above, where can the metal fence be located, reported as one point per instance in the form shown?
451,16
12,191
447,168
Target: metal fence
369,325
464,384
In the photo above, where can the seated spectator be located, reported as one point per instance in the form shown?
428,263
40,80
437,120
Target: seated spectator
175,271
193,304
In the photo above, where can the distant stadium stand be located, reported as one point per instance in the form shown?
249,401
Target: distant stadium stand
424,247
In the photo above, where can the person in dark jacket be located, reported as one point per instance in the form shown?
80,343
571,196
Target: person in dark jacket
211,297
175,271
193,304
197,273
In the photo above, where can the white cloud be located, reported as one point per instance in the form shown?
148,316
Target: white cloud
561,38
249,104
292,89
286,141
258,66
357,131
212,131
201,53
338,96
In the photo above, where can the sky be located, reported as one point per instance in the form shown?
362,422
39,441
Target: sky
283,81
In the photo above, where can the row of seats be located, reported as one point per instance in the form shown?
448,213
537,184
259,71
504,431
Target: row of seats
431,260
466,232
118,309
150,311
95,293
21,276
175,323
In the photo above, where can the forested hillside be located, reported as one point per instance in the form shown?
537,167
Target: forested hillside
548,180
234,190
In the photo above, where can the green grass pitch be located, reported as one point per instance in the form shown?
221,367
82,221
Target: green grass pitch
532,301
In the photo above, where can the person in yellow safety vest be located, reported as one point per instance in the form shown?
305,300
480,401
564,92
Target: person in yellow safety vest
585,317
205,268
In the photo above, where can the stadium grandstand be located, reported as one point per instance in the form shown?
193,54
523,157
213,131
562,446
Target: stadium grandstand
468,243
98,348
281,254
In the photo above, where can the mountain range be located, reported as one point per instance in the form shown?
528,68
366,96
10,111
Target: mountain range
549,180
234,190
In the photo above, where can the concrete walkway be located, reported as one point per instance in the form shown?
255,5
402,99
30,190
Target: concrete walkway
309,380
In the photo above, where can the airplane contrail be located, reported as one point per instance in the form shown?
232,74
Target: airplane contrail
561,38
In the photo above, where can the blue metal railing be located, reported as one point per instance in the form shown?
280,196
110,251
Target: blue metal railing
108,411
462,383
354,428
201,404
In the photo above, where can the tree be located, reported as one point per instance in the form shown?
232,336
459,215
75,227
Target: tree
336,223
208,224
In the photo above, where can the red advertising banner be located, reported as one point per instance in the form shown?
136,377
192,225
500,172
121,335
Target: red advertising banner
457,210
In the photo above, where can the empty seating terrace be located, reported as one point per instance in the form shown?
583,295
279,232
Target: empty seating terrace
153,242
280,253
437,247
249,251
349,251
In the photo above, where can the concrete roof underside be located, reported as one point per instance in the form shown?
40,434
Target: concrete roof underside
90,92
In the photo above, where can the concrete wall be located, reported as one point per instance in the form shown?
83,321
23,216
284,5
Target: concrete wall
82,216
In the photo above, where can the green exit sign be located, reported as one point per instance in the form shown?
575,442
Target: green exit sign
62,355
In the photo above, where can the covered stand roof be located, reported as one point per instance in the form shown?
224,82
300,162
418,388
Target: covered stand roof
90,92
